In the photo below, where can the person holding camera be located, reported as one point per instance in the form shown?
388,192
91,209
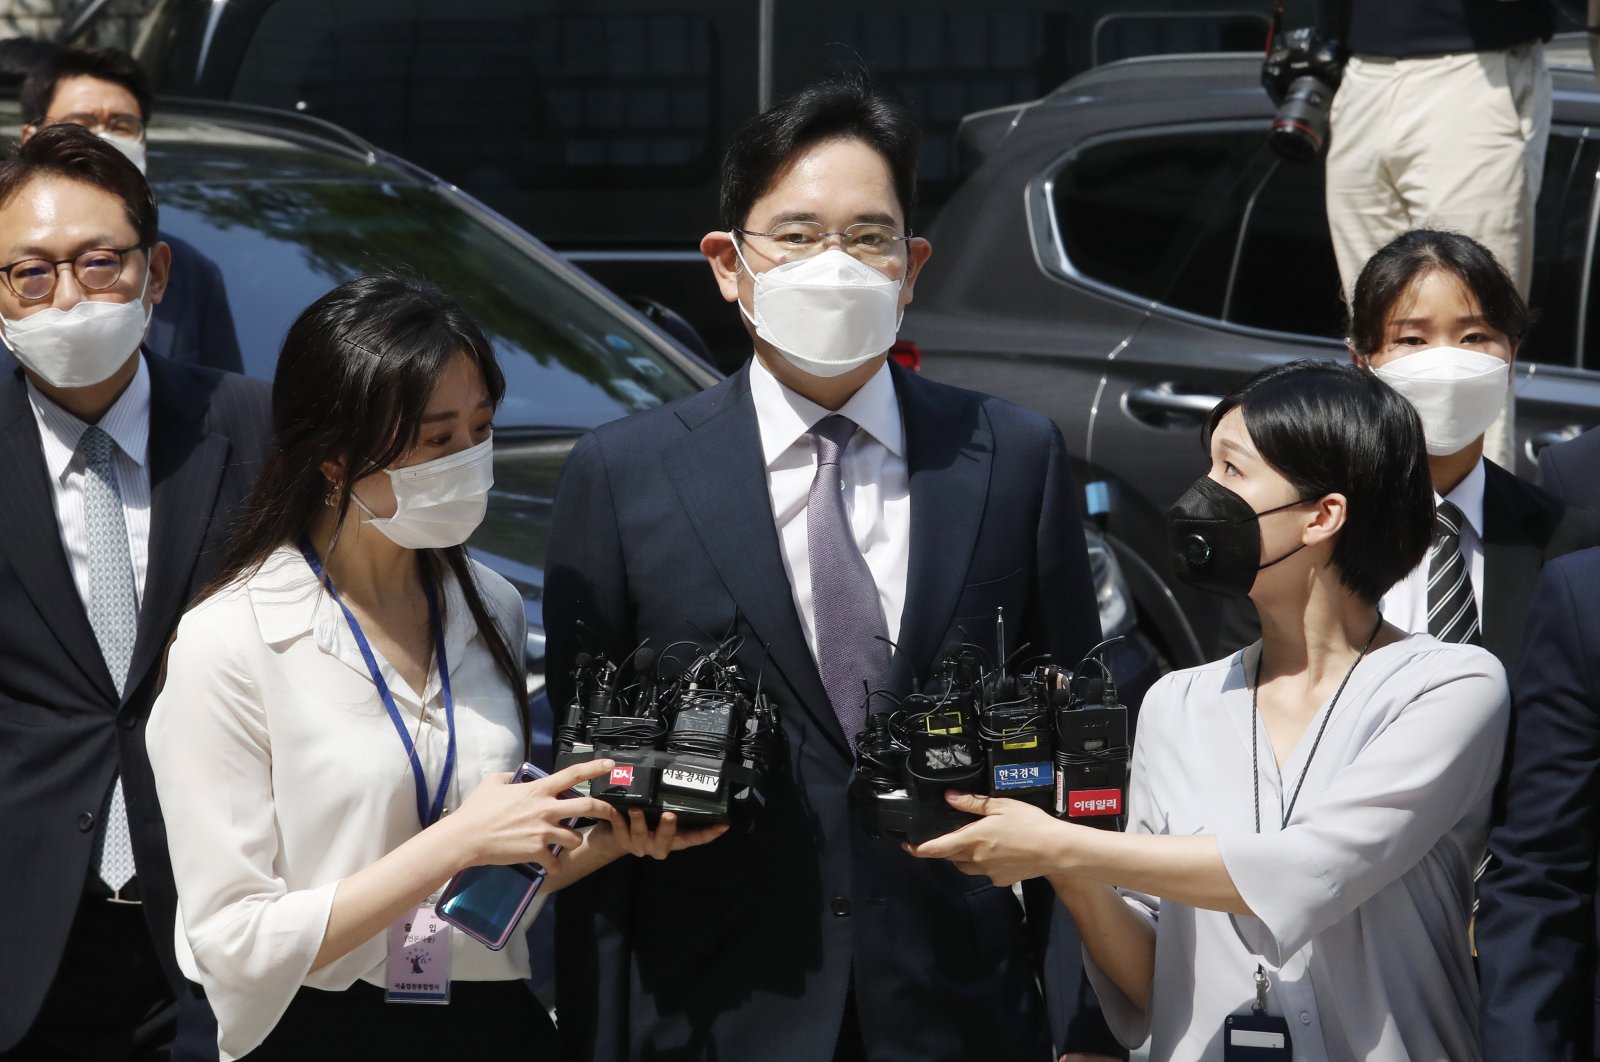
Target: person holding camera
848,520
342,706
1305,815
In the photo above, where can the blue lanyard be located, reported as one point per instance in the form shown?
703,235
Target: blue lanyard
426,815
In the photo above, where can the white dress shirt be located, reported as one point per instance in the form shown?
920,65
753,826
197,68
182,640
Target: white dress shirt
876,483
1361,903
280,774
128,424
1406,604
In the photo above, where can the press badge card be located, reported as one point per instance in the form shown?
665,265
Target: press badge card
1256,1037
419,958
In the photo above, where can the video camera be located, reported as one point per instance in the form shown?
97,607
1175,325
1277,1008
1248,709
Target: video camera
1053,738
1301,71
698,744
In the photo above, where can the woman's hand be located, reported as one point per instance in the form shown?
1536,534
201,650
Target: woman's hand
501,823
1013,841
631,836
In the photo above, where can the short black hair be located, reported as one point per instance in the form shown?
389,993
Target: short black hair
19,56
1330,427
844,107
73,152
82,60
1390,274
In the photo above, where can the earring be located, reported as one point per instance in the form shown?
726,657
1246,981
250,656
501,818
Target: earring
331,499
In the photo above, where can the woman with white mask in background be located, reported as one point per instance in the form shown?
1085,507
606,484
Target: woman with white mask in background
343,701
1437,318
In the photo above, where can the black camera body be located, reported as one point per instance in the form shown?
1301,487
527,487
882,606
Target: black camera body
1047,737
698,745
1301,72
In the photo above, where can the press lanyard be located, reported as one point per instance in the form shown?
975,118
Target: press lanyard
1255,767
427,814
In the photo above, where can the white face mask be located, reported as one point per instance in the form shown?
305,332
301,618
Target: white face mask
1457,393
439,503
131,146
826,314
82,346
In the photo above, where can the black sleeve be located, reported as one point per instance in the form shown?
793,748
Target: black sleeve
1536,926
585,580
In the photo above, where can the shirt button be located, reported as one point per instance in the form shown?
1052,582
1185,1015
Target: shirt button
86,822
840,907
1305,1017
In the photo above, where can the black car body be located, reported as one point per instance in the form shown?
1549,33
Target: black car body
1130,248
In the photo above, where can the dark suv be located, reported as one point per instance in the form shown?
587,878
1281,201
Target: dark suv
1130,248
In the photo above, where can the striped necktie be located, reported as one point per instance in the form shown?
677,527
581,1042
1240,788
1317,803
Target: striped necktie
1452,608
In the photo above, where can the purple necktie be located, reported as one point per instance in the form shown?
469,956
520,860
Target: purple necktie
852,639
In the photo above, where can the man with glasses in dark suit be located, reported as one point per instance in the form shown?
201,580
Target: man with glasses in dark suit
850,520
122,473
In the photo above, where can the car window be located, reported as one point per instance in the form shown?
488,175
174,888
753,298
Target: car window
1158,215
1127,34
1561,246
569,359
1286,278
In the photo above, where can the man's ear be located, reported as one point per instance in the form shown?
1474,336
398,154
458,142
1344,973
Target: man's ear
723,258
160,270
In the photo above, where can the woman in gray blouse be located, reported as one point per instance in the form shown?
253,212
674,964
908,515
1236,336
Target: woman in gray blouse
1305,815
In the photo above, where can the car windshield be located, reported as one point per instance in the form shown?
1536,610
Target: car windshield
571,360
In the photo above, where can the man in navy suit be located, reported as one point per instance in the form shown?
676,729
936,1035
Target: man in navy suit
1537,921
1571,470
849,519
122,473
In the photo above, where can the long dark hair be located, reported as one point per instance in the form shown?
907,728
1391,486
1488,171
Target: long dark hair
353,381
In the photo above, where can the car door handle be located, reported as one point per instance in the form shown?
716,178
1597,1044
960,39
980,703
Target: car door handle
1168,405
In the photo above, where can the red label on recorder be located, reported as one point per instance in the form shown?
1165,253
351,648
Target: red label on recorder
1085,802
622,775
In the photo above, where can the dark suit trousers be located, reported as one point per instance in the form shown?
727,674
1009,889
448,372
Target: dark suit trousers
110,1000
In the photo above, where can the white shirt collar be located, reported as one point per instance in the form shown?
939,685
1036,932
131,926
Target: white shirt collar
1468,497
783,416
288,602
127,422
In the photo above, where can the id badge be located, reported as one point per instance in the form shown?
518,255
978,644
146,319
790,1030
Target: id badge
1256,1038
419,958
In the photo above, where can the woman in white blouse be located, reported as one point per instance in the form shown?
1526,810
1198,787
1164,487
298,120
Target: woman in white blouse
343,705
1304,816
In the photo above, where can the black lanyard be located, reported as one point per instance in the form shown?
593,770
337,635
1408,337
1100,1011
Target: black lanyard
426,815
1260,1005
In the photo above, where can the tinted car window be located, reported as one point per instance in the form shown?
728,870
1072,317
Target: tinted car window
1158,215
569,360
1286,278
1560,246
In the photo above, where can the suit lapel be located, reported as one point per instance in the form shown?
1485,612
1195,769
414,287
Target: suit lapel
949,455
718,473
31,537
1512,556
186,466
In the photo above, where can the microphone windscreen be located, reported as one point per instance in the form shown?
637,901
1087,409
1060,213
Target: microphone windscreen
644,661
582,660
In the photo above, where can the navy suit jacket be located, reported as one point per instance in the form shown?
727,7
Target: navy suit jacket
63,729
1571,470
193,321
745,948
1536,924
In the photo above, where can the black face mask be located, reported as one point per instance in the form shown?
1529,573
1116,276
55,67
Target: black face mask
1214,539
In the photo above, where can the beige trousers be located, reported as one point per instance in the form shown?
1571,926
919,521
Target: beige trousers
1448,142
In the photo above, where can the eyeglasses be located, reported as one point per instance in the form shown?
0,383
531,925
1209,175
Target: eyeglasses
868,243
118,124
33,279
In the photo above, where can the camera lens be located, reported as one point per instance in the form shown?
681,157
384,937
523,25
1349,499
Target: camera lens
1300,128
